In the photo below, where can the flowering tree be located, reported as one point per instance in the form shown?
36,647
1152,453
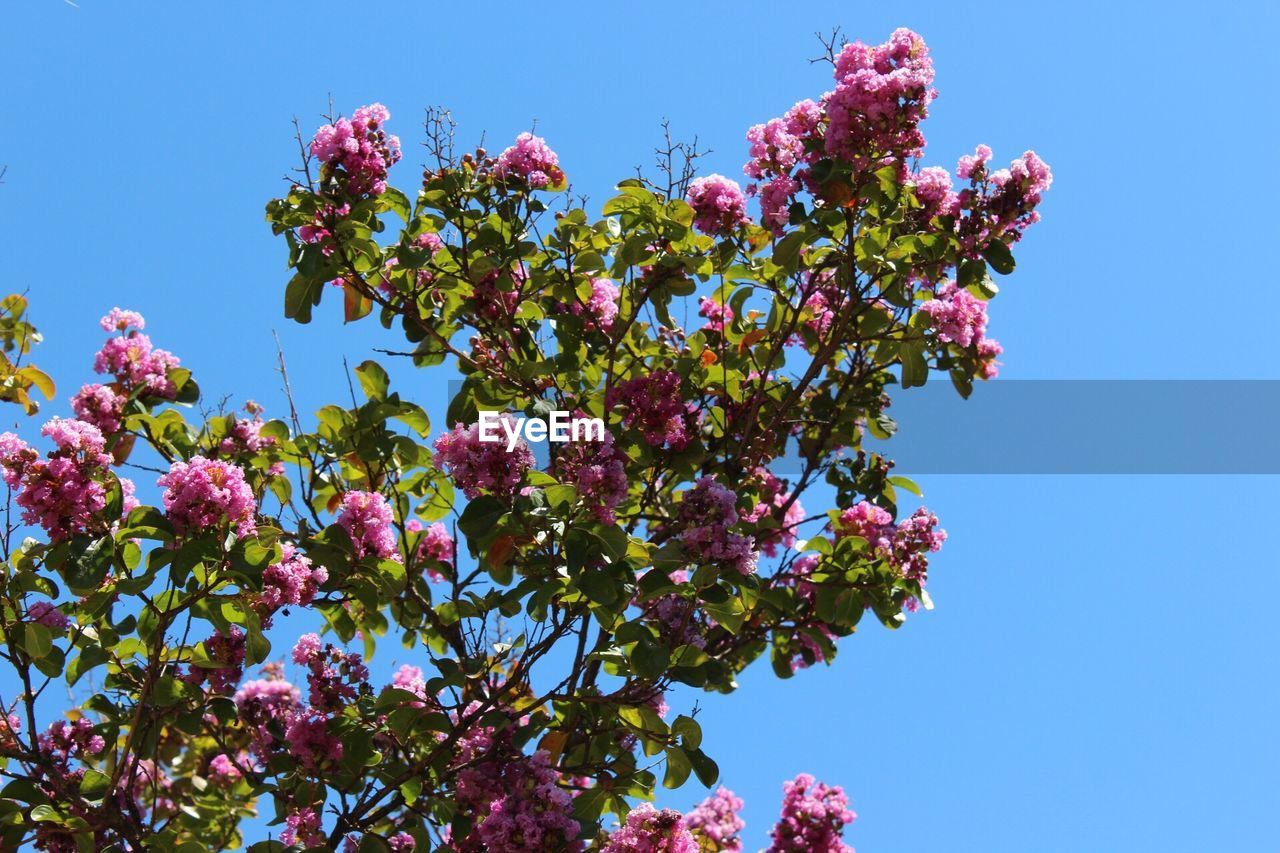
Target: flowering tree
547,606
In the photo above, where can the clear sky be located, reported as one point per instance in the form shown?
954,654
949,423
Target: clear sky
1100,671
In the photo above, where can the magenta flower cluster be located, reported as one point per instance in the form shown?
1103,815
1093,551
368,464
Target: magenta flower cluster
652,405
65,493
483,466
530,160
719,206
598,470
650,830
292,581
368,520
715,822
813,817
101,406
708,513
906,546
361,148
206,494
132,359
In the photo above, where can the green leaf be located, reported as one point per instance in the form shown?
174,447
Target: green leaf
999,256
86,570
37,640
678,768
373,380
94,785
706,770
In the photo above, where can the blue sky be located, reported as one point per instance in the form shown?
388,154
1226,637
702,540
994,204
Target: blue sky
1100,671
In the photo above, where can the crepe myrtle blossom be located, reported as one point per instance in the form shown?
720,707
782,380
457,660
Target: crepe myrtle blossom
652,405
65,493
530,160
484,465
368,520
435,546
707,514
361,148
649,830
131,357
814,816
719,206
958,316
101,406
715,823
204,494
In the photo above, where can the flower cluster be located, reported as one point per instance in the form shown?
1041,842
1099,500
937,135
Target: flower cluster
302,826
368,521
47,614
225,662
958,316
203,494
719,207
813,818
649,830
483,466
65,493
906,546
598,470
716,313
361,148
530,160
245,437
715,823
675,616
652,405
773,496
132,359
882,94
292,581
334,677
101,406
602,308
262,704
435,546
532,811
707,515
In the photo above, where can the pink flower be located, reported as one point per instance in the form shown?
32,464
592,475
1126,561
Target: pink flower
716,313
652,405
245,437
361,148
132,359
715,821
707,513
294,580
882,94
598,470
311,743
773,497
648,830
303,827
906,546
933,189
436,546
118,320
775,202
101,406
223,771
46,614
483,466
204,494
719,207
958,316
64,494
226,662
973,165
813,818
530,160
335,678
602,307
368,520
